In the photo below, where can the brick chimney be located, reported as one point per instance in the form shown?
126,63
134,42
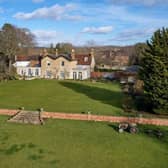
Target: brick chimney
73,54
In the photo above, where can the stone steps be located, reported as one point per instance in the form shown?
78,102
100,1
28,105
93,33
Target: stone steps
27,117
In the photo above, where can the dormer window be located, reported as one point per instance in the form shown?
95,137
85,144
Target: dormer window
85,59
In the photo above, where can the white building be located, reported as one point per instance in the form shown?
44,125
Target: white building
28,66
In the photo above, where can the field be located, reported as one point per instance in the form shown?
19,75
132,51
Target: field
73,144
62,96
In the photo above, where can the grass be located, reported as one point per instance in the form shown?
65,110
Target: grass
71,144
62,96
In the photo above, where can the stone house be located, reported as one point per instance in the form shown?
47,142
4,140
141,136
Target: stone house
57,66
67,66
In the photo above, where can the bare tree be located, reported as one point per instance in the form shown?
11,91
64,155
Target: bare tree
13,39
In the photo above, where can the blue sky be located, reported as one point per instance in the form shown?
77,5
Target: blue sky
82,22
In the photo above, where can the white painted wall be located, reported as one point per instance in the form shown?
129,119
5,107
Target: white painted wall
84,69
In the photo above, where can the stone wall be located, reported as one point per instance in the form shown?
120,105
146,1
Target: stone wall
56,68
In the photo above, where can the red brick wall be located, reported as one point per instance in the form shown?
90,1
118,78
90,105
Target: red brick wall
115,119
95,75
8,112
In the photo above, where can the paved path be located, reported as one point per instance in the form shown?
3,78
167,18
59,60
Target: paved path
114,119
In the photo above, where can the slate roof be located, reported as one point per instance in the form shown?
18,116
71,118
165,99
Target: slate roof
66,56
81,59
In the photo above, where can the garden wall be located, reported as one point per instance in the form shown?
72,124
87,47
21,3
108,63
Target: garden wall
89,117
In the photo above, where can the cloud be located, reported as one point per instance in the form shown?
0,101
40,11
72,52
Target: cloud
45,37
55,12
133,34
124,14
38,1
139,2
98,30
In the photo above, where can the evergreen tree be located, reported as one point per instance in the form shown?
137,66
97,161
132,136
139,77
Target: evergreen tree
154,71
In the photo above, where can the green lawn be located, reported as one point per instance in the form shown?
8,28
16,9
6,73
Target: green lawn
77,144
62,96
